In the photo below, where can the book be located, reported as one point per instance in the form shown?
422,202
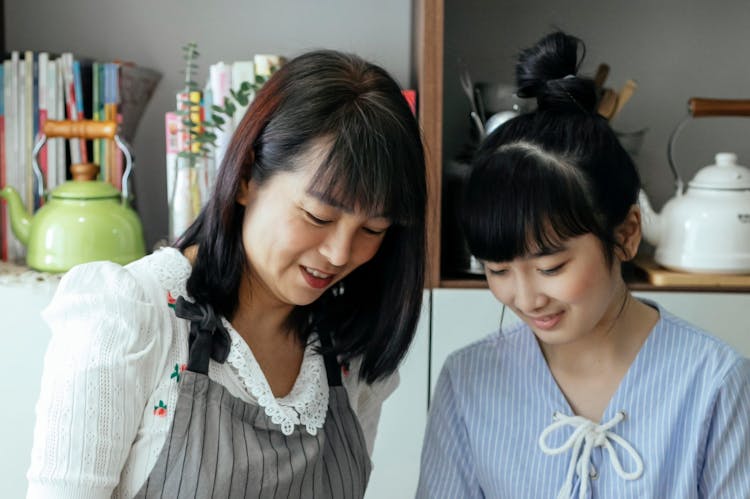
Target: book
52,156
71,108
220,82
411,98
42,98
173,134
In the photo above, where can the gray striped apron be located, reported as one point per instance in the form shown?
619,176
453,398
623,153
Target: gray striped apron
221,446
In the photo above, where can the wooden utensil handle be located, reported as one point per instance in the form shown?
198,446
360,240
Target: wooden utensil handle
700,107
84,129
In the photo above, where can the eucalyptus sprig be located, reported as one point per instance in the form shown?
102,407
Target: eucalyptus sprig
201,139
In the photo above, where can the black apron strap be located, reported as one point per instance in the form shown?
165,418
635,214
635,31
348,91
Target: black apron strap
333,369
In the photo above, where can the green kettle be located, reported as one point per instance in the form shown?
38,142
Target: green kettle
82,220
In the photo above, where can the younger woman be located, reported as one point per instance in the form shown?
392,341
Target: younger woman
594,393
252,359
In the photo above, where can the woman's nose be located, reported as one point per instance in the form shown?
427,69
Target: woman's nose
337,247
527,297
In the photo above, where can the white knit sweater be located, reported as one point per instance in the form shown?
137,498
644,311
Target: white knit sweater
110,371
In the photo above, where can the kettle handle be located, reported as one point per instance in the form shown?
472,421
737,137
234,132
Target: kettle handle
83,129
700,107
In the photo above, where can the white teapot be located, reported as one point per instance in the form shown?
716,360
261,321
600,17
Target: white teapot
706,229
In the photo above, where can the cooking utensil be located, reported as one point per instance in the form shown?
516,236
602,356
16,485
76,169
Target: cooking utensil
623,97
468,87
601,75
480,105
607,103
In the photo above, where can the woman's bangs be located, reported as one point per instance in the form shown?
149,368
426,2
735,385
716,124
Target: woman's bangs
516,207
362,173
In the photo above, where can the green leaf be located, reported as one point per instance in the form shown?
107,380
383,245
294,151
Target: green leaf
259,79
218,120
217,109
243,100
230,109
245,86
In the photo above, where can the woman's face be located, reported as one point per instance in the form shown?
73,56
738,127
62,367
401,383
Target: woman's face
298,245
564,295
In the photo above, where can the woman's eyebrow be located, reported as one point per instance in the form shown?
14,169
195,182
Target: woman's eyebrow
335,203
548,251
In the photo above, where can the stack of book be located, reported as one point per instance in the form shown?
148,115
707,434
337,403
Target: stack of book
38,86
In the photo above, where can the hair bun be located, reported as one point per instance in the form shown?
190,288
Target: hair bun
548,72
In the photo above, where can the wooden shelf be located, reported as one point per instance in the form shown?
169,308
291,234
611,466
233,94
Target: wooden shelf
633,285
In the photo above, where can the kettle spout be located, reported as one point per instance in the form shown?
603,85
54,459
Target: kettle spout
20,220
650,220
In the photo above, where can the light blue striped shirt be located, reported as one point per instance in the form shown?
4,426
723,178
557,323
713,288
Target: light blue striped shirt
686,401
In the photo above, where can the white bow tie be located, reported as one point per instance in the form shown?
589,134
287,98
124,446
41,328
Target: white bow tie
586,436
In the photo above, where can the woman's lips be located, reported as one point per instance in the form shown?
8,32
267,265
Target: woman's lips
546,322
315,278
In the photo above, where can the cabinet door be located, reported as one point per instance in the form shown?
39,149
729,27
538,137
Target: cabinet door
722,314
402,422
460,317
23,354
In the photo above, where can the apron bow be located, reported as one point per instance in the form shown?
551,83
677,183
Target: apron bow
208,336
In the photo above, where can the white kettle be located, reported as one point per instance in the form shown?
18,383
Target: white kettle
705,229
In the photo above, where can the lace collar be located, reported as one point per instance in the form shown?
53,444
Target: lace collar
306,404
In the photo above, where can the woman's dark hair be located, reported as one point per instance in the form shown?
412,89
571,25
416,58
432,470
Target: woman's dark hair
375,163
551,174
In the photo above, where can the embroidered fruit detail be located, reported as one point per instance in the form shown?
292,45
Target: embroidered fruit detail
160,410
177,370
170,299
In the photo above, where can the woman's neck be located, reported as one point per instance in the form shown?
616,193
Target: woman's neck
616,340
259,317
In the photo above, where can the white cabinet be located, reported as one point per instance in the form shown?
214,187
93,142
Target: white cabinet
402,422
25,338
461,316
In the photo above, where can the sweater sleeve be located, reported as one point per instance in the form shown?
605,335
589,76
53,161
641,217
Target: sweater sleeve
99,369
367,400
726,468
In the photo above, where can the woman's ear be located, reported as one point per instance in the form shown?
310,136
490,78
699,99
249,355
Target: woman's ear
247,189
628,235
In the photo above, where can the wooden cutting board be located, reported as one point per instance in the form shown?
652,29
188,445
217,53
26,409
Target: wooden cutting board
660,276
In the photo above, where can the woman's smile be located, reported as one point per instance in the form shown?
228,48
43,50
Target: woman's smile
546,322
316,278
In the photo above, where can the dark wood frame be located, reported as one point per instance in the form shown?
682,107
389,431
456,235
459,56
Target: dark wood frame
2,27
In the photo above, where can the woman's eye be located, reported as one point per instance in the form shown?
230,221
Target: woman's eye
497,271
316,220
553,270
374,232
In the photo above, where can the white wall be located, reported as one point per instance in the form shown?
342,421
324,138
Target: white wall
151,33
